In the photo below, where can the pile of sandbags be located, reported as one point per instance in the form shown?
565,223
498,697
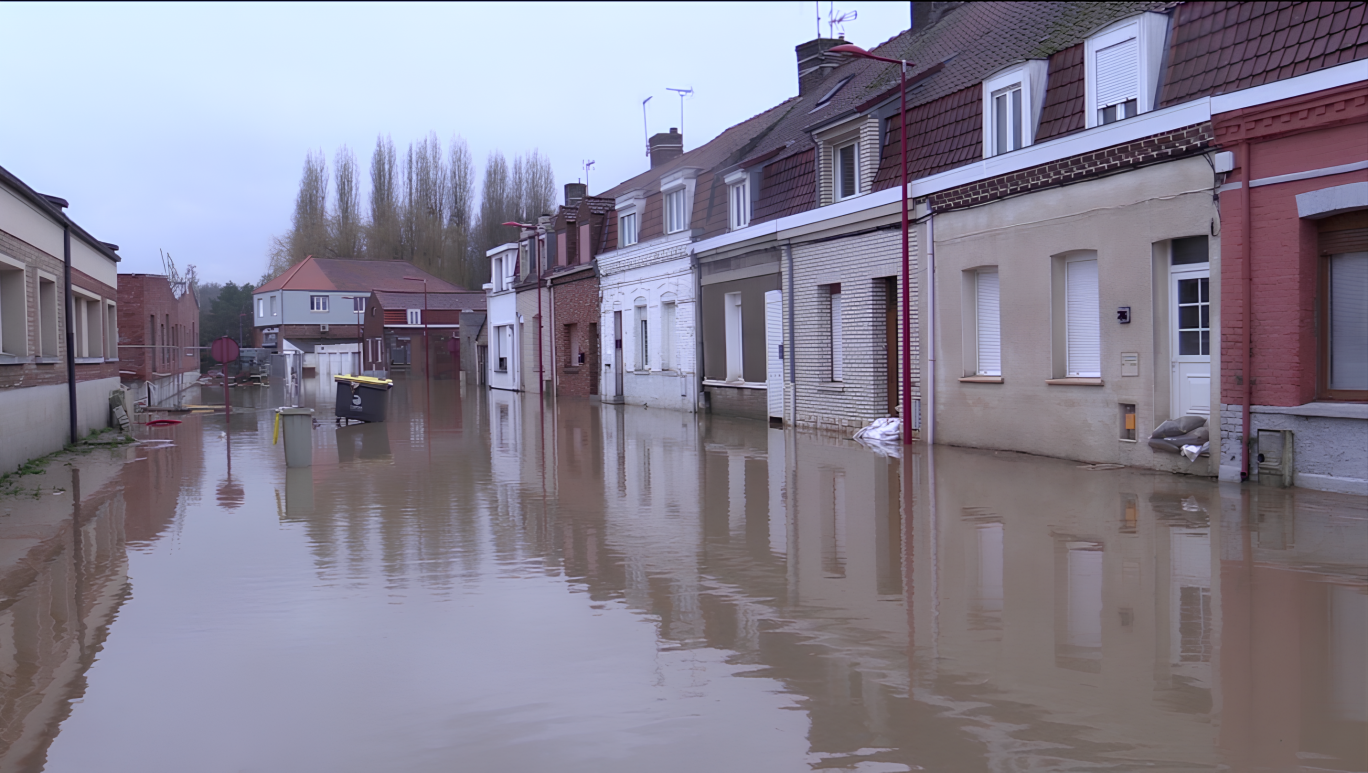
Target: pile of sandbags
1186,435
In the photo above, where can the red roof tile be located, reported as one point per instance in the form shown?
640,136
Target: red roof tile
354,276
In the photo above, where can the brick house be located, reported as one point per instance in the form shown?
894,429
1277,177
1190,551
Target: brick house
1294,268
581,230
43,337
319,301
158,326
416,333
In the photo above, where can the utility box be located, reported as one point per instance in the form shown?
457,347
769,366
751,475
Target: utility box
296,424
1275,457
362,398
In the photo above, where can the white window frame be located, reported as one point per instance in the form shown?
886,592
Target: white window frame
837,169
1150,31
677,189
274,310
987,322
676,218
1082,318
319,304
627,228
837,333
732,322
738,199
261,308
668,315
1030,78
413,316
629,205
358,304
641,328
13,307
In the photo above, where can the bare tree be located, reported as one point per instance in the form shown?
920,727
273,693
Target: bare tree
309,235
346,220
425,202
537,194
460,211
497,206
382,233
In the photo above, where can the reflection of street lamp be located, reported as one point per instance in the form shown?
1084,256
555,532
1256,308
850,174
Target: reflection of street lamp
359,308
906,255
426,357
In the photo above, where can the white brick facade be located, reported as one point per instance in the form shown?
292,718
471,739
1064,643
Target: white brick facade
860,264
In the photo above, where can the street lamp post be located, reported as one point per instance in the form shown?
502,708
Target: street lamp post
360,337
427,358
906,254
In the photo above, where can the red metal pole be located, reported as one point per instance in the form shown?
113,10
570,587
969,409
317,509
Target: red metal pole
906,270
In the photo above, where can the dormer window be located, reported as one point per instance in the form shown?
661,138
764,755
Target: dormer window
1011,107
629,208
1122,68
674,211
627,229
846,172
738,199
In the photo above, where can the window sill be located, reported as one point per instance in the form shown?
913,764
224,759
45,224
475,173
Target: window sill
14,359
1075,381
981,380
571,370
90,360
832,387
47,360
711,382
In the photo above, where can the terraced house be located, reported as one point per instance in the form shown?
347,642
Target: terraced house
1067,229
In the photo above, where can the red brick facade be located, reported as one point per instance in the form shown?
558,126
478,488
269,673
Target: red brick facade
158,332
1281,253
42,362
575,299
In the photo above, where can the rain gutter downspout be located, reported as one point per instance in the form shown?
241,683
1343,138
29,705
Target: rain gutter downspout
930,391
1247,353
70,334
551,300
792,360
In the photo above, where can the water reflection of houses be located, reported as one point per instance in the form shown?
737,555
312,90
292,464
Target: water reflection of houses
55,616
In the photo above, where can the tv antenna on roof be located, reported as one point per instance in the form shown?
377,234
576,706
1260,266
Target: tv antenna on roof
587,166
834,21
645,131
682,93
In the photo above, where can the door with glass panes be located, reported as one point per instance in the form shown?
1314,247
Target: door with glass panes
1190,322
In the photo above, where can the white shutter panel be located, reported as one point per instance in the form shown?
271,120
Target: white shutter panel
1349,321
1083,315
1118,73
989,327
837,346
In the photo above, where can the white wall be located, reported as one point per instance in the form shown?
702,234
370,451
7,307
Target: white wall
34,420
673,278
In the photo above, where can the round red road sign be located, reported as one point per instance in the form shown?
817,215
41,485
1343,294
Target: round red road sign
223,349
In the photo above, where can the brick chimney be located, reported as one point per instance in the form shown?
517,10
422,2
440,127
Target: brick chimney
666,146
574,192
814,63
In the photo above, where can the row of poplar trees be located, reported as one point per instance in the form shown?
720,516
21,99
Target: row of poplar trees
423,208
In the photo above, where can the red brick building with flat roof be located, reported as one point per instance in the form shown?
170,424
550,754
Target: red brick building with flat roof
158,329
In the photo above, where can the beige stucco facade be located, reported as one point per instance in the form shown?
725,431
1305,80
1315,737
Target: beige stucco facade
1128,220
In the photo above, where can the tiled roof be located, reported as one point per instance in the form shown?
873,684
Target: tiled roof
355,276
787,186
1222,47
1062,112
969,43
470,299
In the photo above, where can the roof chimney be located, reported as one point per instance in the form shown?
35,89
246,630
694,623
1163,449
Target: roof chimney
814,63
574,192
666,146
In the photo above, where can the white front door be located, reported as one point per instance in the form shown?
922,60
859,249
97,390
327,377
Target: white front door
1190,321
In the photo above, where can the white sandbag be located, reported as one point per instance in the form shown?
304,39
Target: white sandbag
886,429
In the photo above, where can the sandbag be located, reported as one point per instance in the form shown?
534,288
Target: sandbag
1179,426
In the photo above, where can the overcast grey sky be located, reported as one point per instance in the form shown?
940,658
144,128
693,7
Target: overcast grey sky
184,127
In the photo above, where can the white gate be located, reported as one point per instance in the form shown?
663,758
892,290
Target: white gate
774,361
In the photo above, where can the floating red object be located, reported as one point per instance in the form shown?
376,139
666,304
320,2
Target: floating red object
161,422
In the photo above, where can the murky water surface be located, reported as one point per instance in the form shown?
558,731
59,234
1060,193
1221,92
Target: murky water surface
481,585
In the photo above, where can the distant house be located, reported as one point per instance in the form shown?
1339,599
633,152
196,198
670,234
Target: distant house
36,404
319,301
505,326
411,331
158,335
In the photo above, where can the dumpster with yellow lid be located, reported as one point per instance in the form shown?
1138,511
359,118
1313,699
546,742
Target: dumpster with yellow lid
362,398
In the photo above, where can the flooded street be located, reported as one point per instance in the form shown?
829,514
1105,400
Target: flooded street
484,584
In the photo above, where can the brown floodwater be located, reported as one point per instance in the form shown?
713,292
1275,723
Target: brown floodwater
482,583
